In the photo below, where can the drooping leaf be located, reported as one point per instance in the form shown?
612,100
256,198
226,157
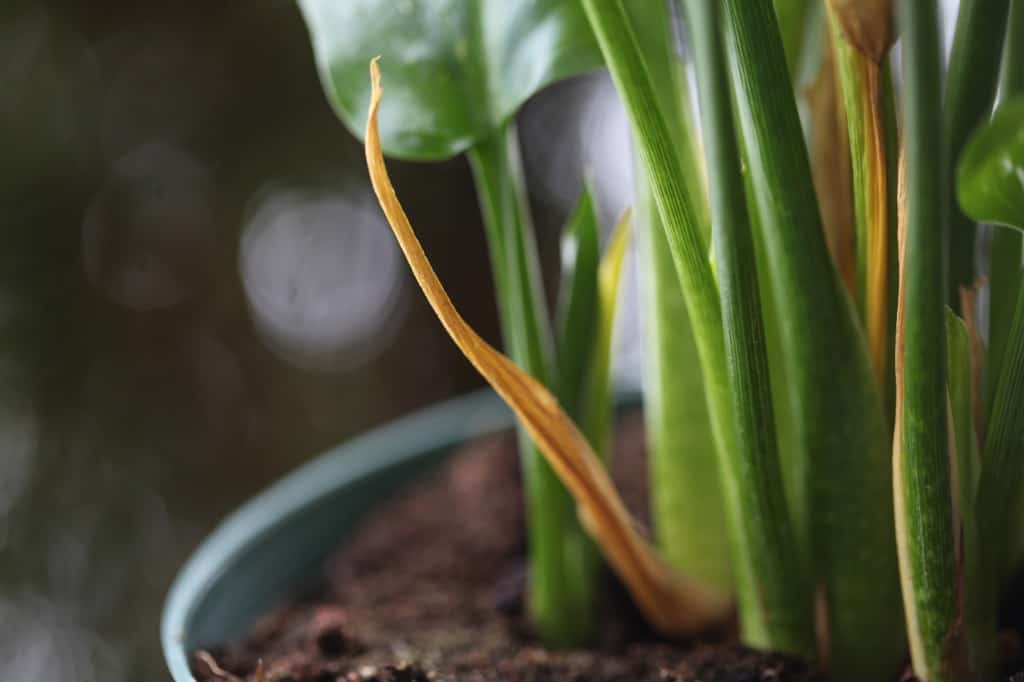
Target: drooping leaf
458,70
673,605
561,596
990,177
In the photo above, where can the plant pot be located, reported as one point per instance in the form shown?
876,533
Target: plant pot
263,553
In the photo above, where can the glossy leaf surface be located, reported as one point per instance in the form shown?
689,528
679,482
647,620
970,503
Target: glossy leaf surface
990,177
457,70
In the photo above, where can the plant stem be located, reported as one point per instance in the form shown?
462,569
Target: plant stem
1007,245
841,430
686,501
775,595
792,24
561,589
676,208
655,143
687,511
921,461
970,91
1012,78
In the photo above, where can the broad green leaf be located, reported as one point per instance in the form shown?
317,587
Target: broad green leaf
990,177
578,302
838,409
457,70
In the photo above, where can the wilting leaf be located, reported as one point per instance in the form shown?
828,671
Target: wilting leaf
672,604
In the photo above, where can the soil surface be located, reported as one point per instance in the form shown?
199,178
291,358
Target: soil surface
431,588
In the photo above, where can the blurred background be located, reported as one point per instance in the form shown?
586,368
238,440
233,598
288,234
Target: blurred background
198,294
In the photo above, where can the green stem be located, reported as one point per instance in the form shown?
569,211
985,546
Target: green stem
1007,245
676,208
793,23
923,487
686,496
775,595
686,499
1007,257
840,423
680,218
970,91
561,592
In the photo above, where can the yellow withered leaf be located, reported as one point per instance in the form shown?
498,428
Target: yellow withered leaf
672,604
867,24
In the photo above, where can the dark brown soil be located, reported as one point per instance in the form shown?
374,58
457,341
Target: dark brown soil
431,589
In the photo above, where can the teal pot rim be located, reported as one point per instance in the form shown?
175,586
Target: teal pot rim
264,552
229,580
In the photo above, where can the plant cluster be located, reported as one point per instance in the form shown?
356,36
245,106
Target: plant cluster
836,427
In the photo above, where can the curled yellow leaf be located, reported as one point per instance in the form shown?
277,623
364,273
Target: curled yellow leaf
673,605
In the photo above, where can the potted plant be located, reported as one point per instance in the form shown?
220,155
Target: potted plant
849,481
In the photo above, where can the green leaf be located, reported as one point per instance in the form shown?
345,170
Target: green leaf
456,70
775,593
921,449
990,177
679,212
840,424
967,462
562,585
686,499
970,90
578,302
597,406
686,505
959,387
793,24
